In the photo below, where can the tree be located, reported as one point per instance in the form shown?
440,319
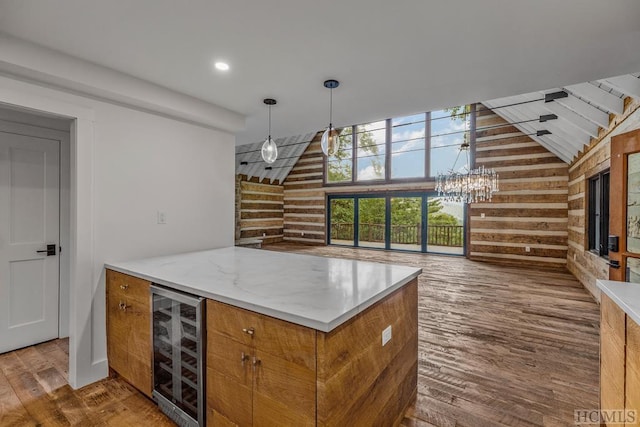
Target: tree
339,167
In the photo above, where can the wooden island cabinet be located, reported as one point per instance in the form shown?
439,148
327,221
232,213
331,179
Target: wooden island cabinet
129,348
337,347
619,362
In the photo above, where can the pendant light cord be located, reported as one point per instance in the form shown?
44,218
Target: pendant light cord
331,109
269,122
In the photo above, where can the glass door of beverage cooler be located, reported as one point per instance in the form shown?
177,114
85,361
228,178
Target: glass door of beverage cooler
177,356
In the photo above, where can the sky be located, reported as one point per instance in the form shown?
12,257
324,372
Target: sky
408,145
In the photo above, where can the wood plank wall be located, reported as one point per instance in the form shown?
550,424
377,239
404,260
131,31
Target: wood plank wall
585,265
530,210
304,198
261,210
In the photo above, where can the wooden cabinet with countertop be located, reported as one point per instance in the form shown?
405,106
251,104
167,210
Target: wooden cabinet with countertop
129,329
336,346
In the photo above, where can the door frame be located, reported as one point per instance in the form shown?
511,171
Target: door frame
621,146
36,131
83,369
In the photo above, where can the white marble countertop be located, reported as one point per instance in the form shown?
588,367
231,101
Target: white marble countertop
625,294
312,291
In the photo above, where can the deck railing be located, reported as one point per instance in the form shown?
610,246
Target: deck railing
437,235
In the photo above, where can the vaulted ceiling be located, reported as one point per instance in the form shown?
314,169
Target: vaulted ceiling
564,120
392,58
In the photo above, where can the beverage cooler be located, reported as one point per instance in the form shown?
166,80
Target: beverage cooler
178,364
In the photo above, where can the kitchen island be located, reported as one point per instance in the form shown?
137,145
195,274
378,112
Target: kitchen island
291,339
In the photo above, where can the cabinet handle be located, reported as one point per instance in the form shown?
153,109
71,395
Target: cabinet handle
123,306
124,287
255,363
243,357
249,331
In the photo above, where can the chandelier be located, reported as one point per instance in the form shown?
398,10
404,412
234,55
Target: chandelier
475,185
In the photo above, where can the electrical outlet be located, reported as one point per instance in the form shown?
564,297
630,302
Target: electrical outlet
527,248
482,215
386,335
162,217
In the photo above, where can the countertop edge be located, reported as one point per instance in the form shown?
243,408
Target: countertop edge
288,317
607,286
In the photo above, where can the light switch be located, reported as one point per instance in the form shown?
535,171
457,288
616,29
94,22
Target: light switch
386,335
162,217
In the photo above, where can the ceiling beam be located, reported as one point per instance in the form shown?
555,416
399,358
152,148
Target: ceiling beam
601,98
587,111
627,84
568,135
555,147
572,118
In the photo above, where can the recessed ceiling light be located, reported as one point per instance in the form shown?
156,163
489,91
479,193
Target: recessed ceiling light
222,66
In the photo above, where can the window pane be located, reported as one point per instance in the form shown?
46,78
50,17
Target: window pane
408,149
371,226
371,151
341,221
447,134
406,223
339,166
408,119
445,226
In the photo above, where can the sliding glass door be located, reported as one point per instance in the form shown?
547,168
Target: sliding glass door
372,232
417,222
406,223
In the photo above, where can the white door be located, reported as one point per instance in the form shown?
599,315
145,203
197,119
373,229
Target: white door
29,221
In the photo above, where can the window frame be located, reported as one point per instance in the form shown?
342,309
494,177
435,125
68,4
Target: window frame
387,179
598,207
388,195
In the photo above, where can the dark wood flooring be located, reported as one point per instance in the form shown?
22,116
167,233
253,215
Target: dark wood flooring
34,392
498,346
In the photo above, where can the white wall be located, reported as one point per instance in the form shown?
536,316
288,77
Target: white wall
142,162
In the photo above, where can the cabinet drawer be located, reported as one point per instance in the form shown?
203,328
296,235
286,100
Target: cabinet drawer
232,322
294,343
125,287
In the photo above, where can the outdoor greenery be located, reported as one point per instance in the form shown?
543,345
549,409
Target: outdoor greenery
404,211
339,167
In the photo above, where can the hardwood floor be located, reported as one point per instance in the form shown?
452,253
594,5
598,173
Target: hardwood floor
34,392
497,346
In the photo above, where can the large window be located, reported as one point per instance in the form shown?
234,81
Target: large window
415,147
418,222
599,213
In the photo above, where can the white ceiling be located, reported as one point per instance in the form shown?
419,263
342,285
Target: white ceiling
392,58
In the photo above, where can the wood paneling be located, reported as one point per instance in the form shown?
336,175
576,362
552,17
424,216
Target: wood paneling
531,206
612,355
129,329
304,198
585,265
259,210
632,385
357,376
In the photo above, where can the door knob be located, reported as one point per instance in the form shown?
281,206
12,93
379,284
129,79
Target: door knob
50,251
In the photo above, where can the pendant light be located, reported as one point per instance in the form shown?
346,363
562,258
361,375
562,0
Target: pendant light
269,148
329,141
